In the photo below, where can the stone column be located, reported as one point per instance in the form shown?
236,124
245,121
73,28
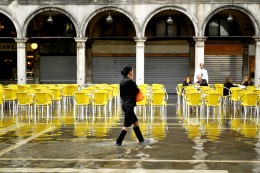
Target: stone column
199,51
81,67
21,60
140,60
257,61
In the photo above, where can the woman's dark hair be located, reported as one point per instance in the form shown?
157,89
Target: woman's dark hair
228,80
126,69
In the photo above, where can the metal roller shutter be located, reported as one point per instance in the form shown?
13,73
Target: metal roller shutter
166,70
58,69
220,67
108,69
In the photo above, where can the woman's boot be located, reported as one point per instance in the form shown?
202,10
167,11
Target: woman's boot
121,137
138,134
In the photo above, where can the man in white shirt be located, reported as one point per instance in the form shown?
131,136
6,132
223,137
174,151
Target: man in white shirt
202,72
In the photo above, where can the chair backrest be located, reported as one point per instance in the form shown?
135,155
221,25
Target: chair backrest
219,88
57,94
194,98
213,99
81,98
24,98
236,94
249,99
100,97
69,90
158,97
42,98
179,88
10,94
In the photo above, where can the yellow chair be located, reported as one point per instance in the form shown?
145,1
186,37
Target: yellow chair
57,96
193,99
10,96
81,101
249,100
179,89
236,94
158,99
141,106
42,100
219,88
100,99
68,94
213,99
25,101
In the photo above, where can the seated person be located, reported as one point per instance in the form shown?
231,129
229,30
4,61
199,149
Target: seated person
245,81
201,82
227,86
187,81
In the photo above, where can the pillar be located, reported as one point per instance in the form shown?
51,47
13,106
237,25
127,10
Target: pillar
81,67
199,50
257,62
140,60
21,60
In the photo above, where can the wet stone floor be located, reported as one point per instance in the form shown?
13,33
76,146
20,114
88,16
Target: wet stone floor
224,141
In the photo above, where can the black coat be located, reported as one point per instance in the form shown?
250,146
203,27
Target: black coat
227,86
203,82
128,91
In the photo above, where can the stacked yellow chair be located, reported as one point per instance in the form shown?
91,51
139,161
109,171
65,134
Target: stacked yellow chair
100,99
158,99
82,101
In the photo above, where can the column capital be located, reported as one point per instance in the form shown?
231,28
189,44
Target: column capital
140,39
80,39
200,39
257,38
21,40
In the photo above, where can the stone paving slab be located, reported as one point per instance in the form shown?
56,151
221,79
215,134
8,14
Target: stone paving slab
108,170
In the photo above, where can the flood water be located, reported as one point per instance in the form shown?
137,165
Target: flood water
225,140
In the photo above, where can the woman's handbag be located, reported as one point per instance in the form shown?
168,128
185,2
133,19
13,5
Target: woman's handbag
139,96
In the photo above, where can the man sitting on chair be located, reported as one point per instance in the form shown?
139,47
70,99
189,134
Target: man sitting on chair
200,81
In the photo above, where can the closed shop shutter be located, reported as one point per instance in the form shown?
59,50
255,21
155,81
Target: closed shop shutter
108,69
58,69
166,70
220,67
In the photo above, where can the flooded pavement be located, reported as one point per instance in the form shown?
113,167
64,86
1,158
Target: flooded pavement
221,142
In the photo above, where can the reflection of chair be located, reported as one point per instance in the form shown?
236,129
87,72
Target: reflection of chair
158,99
100,99
41,100
213,99
81,101
213,131
249,100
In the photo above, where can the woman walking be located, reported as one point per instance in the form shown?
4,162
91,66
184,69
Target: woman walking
128,91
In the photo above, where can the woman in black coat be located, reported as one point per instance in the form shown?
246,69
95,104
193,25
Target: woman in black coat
128,91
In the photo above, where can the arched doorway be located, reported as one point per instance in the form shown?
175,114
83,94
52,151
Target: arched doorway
110,45
169,50
227,48
8,56
54,60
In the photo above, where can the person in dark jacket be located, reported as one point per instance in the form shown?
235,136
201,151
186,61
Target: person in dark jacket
227,85
201,82
128,91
